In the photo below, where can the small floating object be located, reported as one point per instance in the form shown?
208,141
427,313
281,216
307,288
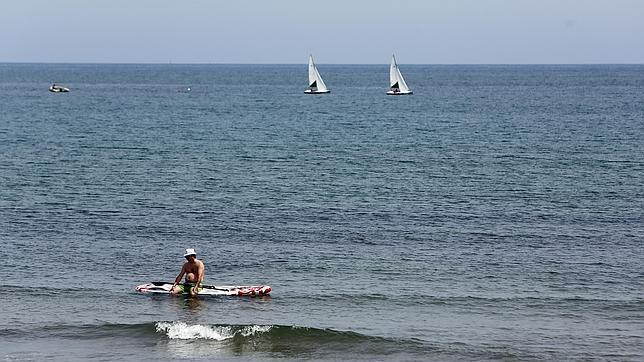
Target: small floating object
58,88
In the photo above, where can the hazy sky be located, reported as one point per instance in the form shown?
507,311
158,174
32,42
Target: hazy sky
335,31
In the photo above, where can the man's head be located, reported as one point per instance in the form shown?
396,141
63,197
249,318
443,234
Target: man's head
190,253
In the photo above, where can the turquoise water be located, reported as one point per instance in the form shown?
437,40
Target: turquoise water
494,214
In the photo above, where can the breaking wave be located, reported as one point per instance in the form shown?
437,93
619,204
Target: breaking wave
181,330
288,341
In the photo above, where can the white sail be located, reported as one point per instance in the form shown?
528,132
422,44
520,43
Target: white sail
397,84
316,84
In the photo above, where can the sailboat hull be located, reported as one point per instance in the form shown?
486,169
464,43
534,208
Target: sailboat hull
310,91
392,93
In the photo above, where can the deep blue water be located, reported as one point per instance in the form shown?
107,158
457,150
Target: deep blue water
495,214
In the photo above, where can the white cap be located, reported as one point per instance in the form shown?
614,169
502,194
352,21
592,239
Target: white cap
190,252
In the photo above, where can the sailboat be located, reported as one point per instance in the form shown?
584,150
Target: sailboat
397,85
316,84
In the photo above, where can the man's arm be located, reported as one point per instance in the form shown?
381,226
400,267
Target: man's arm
200,274
178,278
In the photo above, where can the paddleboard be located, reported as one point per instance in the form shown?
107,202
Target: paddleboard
252,291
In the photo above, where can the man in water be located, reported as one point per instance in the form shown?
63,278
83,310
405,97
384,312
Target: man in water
194,270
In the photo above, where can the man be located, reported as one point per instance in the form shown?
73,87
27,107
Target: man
194,270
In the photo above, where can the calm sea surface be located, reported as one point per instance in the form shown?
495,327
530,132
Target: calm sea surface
495,214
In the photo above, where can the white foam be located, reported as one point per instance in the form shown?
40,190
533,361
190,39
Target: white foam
181,330
251,330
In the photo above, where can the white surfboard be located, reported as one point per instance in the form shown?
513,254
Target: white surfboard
232,290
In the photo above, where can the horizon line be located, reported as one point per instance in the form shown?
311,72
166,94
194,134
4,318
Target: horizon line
304,63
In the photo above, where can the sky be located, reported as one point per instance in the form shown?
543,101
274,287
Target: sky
334,31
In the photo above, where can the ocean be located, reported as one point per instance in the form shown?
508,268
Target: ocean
496,214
